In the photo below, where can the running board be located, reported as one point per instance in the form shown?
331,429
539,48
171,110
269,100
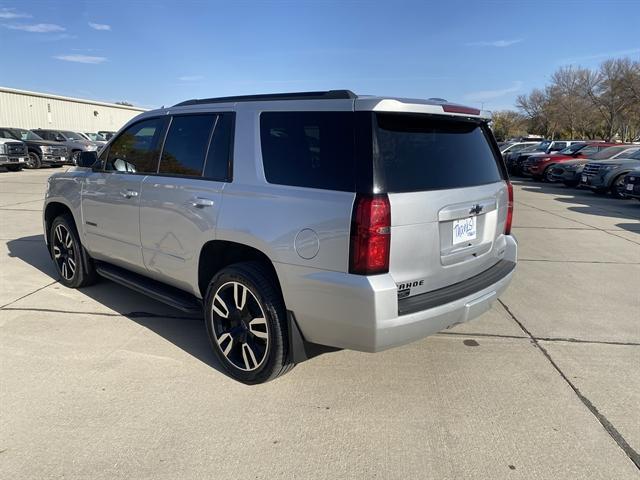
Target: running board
171,296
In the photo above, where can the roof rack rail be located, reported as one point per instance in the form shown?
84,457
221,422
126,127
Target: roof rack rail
328,95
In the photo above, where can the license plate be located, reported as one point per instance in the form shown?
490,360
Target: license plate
464,230
584,179
62,159
630,187
22,159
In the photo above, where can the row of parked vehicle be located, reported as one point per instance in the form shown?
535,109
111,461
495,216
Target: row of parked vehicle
605,168
21,148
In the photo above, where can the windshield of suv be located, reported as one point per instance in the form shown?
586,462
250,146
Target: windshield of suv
417,153
96,137
573,148
72,135
19,134
608,153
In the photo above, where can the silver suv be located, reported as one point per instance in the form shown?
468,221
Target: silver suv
299,223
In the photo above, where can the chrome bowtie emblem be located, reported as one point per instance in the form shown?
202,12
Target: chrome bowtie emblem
475,210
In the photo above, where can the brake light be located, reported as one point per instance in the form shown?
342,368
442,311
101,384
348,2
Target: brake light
460,109
507,223
370,235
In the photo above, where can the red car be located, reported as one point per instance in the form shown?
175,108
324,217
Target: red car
539,166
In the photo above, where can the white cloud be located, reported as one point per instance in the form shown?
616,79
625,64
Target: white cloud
100,26
37,28
81,58
495,43
191,78
11,13
485,95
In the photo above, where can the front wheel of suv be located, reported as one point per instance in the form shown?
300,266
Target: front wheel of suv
617,187
246,322
74,266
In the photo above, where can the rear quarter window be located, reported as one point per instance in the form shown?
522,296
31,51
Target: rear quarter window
308,149
420,152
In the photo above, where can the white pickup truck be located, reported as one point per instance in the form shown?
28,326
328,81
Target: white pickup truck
13,154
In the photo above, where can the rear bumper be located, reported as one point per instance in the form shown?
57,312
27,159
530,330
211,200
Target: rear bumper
363,313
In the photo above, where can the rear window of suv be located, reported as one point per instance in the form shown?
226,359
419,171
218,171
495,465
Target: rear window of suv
309,149
420,152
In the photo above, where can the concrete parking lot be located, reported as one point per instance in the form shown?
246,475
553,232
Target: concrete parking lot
104,383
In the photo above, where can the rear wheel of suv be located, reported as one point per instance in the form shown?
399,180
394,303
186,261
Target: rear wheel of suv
246,322
33,161
617,186
73,264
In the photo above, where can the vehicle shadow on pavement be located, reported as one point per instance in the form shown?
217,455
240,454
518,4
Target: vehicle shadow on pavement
185,331
591,203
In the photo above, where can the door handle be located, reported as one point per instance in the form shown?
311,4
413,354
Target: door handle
129,193
201,202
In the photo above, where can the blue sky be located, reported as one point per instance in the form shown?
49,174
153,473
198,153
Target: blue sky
157,52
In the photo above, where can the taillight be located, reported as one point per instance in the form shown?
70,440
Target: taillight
370,235
507,224
460,109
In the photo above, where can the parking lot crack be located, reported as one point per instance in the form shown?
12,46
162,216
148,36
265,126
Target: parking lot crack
27,295
606,424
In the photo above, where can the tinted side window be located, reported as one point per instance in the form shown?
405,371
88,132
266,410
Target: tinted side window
221,149
418,152
309,149
136,149
186,145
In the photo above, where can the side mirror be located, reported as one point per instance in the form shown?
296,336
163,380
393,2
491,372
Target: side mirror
87,159
59,138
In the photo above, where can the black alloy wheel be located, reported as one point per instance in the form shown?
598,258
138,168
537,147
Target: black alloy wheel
246,322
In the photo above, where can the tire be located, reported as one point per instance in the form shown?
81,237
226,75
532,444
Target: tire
250,351
14,168
547,175
72,262
34,161
617,187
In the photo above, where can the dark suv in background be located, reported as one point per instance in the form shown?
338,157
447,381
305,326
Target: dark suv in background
41,152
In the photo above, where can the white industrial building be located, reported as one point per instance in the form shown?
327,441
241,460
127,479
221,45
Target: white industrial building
25,109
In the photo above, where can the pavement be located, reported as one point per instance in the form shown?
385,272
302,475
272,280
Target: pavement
104,383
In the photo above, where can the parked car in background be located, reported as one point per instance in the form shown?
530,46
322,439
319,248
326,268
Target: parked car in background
74,141
539,167
608,175
570,172
95,137
40,152
13,154
106,134
511,147
515,160
632,184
